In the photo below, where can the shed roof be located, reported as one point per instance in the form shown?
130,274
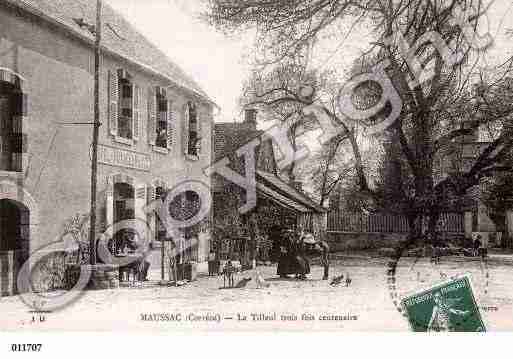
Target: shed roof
229,137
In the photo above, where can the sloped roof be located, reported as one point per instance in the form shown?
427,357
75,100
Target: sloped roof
229,137
282,199
291,192
118,36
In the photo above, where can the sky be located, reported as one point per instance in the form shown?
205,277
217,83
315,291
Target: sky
218,64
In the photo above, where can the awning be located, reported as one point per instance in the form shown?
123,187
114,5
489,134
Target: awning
292,194
281,200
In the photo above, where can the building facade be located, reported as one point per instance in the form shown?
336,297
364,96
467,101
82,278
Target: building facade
155,133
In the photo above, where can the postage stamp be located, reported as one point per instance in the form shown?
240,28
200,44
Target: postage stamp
450,306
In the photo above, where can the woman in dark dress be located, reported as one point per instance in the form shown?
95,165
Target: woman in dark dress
282,251
301,259
287,264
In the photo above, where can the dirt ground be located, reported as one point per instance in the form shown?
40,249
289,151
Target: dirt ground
288,304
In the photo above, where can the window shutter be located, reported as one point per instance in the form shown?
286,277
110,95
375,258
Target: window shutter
20,112
185,135
170,125
109,204
152,116
113,103
150,217
141,193
136,111
140,201
18,144
152,195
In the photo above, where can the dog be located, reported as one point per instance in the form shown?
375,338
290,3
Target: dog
242,283
337,280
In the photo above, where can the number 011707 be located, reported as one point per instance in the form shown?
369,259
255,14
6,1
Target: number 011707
26,347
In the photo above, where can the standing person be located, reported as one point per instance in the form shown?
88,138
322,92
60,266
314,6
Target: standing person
171,258
175,254
282,250
303,265
319,248
139,246
275,239
324,249
477,245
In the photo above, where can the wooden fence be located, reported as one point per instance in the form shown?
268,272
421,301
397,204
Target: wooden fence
339,221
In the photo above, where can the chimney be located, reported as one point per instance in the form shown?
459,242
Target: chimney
250,117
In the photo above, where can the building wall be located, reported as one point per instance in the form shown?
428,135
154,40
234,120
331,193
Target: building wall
58,73
58,85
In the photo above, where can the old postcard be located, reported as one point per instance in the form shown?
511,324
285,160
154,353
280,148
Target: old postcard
277,165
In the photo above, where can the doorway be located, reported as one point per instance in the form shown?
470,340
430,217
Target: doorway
14,242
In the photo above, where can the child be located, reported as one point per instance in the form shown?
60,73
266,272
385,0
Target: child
228,274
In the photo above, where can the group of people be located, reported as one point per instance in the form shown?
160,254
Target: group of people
292,249
128,242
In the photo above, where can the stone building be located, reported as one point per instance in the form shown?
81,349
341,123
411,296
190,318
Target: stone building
277,203
155,133
460,155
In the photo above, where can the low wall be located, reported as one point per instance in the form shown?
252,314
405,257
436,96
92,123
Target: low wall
343,241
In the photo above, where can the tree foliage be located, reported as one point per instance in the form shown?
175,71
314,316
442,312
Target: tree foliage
436,113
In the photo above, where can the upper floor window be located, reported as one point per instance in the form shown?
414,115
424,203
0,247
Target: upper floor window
124,102
125,109
12,110
161,128
193,130
160,117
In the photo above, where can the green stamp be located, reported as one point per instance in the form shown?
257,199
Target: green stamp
450,306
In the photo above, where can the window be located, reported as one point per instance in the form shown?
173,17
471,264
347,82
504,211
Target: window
124,103
12,103
160,119
162,114
193,134
185,206
125,109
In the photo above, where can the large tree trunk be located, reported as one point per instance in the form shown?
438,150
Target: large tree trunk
415,225
434,215
423,182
